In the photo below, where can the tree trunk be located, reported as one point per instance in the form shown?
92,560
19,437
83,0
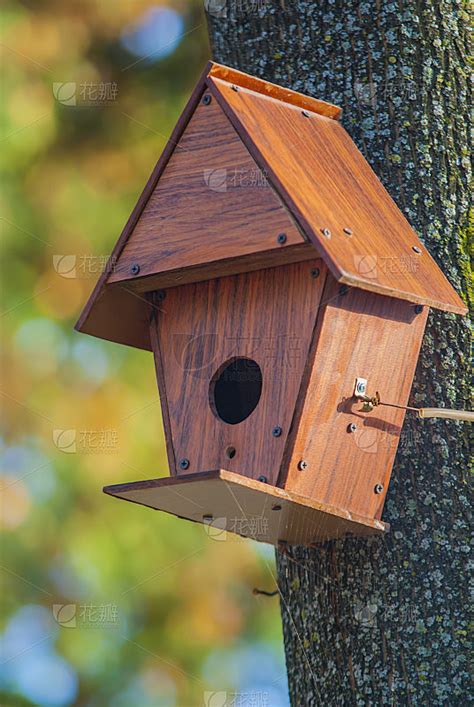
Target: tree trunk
384,621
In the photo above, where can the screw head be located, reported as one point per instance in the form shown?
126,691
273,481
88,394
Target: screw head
281,238
416,249
262,479
315,272
234,87
184,464
378,488
276,432
418,308
306,113
347,231
206,99
326,232
352,427
343,290
303,465
135,269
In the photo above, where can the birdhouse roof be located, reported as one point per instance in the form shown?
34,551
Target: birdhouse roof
323,194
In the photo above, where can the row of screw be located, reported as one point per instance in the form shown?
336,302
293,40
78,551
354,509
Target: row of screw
327,233
314,272
230,452
303,465
206,100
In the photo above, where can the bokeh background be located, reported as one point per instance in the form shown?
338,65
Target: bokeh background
103,602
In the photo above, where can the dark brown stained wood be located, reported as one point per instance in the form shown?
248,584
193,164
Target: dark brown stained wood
227,502
231,266
267,316
358,334
327,184
156,304
238,78
118,315
211,203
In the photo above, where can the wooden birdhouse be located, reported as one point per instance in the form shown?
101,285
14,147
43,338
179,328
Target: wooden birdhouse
268,270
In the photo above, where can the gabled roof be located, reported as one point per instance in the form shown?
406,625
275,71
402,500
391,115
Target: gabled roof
322,180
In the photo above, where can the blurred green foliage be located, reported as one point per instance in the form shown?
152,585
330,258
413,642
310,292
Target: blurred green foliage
103,602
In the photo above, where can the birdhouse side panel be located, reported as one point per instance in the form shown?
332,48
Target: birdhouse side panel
231,353
212,203
339,454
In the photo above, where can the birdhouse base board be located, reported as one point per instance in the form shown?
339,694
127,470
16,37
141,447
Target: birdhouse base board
229,502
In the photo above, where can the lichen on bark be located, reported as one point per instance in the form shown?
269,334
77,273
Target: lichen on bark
386,621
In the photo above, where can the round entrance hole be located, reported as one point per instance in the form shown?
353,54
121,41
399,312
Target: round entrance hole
235,390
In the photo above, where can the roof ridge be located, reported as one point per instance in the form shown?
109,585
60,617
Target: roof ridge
272,90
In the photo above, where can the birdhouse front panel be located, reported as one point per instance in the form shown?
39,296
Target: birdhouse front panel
211,204
230,355
348,453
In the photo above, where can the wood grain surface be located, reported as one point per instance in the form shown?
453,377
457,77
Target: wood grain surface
267,316
211,203
358,334
239,78
220,268
328,186
227,502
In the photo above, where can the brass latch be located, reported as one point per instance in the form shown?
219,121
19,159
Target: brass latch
371,402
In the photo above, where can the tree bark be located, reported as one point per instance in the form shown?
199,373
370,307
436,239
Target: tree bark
385,621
